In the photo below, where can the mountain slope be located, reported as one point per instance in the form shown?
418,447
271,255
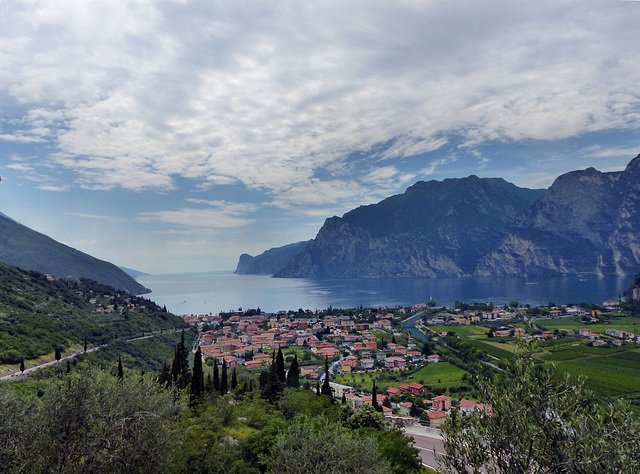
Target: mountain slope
587,222
270,261
433,229
25,248
38,314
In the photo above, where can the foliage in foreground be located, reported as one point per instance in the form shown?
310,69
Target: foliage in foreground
91,421
88,421
540,421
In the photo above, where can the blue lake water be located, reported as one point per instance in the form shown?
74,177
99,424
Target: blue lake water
205,293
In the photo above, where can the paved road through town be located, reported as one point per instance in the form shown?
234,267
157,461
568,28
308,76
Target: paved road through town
426,440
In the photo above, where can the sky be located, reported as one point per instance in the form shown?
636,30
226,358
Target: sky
172,136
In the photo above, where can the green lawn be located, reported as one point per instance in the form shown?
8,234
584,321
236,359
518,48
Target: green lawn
441,374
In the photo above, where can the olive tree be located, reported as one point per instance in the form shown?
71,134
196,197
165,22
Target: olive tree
536,420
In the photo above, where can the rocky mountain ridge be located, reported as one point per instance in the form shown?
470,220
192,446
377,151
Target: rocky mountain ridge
587,222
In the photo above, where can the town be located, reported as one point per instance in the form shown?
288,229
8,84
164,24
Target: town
365,347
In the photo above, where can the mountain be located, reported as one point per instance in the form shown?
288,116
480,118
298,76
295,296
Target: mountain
25,248
587,222
271,261
434,229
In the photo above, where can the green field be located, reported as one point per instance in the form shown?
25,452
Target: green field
470,331
496,349
622,324
441,374
614,375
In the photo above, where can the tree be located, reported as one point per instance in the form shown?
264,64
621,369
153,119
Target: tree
280,371
120,369
536,420
68,366
85,344
326,387
216,376
58,354
234,379
22,365
197,380
293,376
164,377
224,380
317,445
374,396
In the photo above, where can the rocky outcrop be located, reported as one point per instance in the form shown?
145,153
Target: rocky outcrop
587,222
270,261
436,228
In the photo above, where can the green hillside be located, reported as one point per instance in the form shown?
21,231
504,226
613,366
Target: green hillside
25,248
38,315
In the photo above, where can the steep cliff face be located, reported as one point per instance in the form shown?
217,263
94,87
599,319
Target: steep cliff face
433,229
587,222
269,262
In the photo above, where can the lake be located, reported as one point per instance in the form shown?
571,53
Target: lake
203,293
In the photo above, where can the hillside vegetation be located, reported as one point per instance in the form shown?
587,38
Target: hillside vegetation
39,315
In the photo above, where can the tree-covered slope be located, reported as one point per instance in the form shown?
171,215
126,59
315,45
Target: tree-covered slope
38,315
25,248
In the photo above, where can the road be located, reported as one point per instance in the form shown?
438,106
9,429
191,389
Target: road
426,440
71,355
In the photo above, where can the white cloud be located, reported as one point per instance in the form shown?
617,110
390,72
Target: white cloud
136,94
190,217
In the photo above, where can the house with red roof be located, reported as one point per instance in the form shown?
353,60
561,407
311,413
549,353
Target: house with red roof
436,418
441,403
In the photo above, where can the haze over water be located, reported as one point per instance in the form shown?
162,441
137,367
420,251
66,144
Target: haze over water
201,293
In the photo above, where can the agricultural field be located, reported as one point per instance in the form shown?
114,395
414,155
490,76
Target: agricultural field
616,374
441,374
623,323
501,350
470,331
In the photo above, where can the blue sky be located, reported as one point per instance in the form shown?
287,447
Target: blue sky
172,136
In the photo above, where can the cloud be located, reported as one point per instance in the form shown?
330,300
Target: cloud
189,217
276,95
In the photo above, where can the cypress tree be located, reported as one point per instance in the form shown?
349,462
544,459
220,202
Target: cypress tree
183,363
58,354
264,378
374,396
197,381
208,385
250,385
85,343
68,366
326,388
272,388
175,368
280,371
120,369
234,379
317,388
216,376
164,377
22,365
223,379
344,399
293,377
